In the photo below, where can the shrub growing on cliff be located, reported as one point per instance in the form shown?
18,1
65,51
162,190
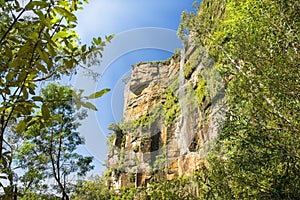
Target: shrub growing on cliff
201,90
171,107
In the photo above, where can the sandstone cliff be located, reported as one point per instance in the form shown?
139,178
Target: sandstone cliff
170,118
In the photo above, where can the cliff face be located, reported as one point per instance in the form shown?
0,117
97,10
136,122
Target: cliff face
169,119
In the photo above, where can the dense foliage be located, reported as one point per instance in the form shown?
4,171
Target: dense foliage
37,44
255,45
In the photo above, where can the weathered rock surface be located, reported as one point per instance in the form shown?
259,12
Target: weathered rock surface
152,145
147,82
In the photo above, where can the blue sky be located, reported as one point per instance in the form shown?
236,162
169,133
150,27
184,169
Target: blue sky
104,17
134,42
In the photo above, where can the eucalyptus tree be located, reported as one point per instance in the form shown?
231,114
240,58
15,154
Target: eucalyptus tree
37,43
49,146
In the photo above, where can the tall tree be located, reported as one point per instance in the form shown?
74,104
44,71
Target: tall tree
256,47
37,43
49,148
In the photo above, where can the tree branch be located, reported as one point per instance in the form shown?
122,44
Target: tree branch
14,22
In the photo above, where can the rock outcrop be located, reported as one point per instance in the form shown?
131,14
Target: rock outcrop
170,119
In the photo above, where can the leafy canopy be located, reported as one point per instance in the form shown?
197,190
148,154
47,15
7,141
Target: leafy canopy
38,43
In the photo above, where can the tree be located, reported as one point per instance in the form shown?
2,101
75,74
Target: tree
256,48
12,143
93,189
37,43
49,148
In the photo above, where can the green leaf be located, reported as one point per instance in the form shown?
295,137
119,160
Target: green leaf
95,40
45,112
83,48
109,38
34,36
22,76
9,77
21,127
43,20
25,93
65,13
41,4
98,94
31,90
24,49
44,55
29,6
3,161
51,50
90,106
40,67
78,104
